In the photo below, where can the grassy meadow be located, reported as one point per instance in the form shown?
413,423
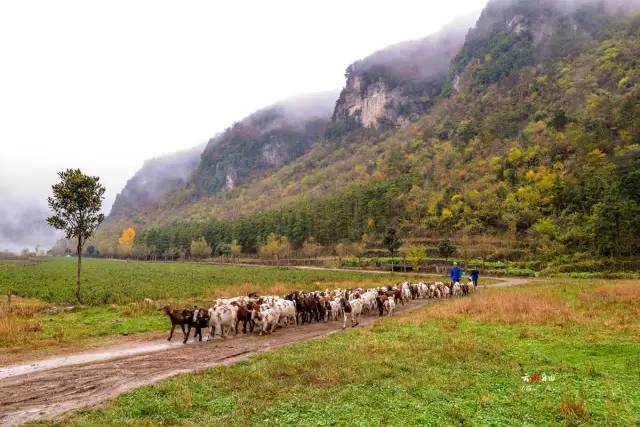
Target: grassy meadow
114,292
107,281
461,362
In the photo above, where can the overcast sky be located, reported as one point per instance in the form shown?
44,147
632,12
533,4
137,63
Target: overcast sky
105,85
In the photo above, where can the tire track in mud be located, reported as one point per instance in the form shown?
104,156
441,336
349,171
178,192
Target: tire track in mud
46,393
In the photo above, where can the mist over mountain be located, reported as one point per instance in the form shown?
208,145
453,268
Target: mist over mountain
393,86
156,179
513,34
23,225
265,140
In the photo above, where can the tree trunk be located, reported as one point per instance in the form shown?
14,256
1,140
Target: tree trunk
78,273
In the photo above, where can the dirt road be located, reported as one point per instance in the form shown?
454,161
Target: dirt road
44,389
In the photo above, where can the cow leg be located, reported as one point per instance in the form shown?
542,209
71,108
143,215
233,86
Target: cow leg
183,330
173,327
186,336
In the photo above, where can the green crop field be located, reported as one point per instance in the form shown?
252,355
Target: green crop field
113,291
461,362
116,282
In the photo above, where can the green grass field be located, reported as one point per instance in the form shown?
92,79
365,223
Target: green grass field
461,362
117,282
113,291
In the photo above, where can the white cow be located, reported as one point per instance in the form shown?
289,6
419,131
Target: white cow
266,318
368,301
406,292
446,292
389,306
222,319
286,311
352,309
456,290
336,309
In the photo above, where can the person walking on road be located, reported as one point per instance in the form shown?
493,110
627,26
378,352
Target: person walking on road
456,273
474,275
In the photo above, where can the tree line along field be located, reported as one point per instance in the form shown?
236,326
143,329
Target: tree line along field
114,292
459,362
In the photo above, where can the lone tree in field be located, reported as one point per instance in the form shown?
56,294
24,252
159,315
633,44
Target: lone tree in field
76,204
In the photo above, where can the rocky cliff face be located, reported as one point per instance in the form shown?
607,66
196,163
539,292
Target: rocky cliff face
393,86
513,34
263,141
155,180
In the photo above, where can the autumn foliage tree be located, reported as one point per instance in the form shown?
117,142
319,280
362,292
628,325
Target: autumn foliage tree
200,248
126,240
275,247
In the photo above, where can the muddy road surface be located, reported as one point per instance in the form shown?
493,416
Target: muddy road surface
47,388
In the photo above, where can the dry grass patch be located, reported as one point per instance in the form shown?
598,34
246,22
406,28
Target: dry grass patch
615,305
626,292
17,320
506,307
573,411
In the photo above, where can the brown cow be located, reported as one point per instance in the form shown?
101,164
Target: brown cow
177,317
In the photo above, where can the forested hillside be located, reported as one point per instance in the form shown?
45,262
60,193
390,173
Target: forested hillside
535,136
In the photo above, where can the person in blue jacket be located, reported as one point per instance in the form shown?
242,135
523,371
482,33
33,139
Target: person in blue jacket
456,273
474,274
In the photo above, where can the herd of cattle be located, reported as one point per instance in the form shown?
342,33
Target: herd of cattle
268,312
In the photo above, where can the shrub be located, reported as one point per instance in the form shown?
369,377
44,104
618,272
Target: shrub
200,248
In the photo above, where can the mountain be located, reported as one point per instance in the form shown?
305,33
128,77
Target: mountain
532,143
156,179
263,141
395,85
